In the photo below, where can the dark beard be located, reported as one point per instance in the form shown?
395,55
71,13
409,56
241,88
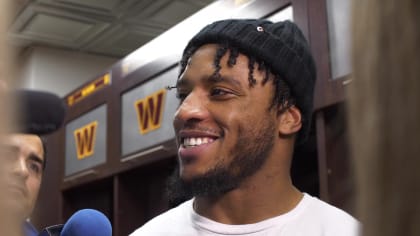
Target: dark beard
250,153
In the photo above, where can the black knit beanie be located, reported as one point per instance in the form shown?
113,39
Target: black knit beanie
281,46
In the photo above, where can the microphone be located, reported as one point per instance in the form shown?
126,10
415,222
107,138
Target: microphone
40,112
86,222
53,230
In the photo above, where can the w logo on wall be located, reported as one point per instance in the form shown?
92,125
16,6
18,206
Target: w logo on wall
149,111
85,140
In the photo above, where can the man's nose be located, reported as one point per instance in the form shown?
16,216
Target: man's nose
20,168
193,108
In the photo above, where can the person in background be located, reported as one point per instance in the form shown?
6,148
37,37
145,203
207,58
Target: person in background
246,97
23,164
23,153
384,115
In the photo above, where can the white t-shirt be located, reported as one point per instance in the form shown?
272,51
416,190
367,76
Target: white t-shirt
311,217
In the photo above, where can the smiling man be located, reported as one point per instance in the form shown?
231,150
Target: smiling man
246,95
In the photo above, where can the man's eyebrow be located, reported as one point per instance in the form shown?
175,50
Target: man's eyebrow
185,82
36,158
227,79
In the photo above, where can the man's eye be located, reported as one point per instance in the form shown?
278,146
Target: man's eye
218,92
34,167
181,95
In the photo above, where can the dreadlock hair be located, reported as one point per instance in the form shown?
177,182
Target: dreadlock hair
282,93
221,51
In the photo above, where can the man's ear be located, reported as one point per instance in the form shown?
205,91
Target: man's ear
290,121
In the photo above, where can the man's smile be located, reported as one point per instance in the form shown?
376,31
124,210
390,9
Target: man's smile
196,141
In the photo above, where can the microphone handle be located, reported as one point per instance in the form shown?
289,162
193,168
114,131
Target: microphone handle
53,230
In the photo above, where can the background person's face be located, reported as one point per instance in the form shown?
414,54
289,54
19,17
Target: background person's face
23,158
222,126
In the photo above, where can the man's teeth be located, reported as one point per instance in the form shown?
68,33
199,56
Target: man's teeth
189,142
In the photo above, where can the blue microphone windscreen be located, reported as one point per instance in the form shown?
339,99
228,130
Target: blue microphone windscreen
87,222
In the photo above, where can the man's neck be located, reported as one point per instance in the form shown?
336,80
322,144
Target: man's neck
257,199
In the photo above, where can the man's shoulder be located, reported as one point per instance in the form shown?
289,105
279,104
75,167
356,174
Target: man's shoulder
330,218
168,221
325,209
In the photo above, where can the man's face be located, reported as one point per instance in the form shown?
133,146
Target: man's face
22,169
225,128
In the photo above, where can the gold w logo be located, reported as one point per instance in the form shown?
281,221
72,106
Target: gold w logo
85,140
149,111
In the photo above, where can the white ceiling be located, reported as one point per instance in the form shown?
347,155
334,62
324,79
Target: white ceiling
107,27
